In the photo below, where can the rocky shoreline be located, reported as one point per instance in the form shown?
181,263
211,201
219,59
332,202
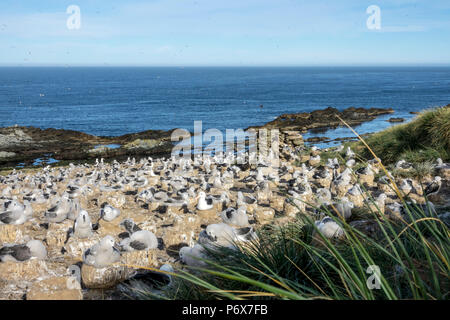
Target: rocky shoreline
23,145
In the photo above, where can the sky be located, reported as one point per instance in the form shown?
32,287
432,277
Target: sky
224,33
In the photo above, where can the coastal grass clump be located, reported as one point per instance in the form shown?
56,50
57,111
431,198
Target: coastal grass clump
295,261
425,138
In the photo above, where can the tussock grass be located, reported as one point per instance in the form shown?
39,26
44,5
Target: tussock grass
295,262
425,138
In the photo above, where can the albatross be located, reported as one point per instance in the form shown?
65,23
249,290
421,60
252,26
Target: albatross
102,254
23,252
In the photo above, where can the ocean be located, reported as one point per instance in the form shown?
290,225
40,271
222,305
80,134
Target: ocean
112,101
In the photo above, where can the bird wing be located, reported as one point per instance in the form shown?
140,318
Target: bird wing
50,214
124,235
20,252
137,245
53,209
249,200
6,217
243,231
432,187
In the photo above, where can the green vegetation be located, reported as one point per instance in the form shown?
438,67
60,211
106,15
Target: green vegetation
425,138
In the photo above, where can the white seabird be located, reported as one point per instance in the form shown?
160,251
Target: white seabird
203,203
235,217
60,211
102,254
139,240
16,213
244,200
108,212
349,153
83,225
192,256
329,228
23,252
344,207
74,280
221,234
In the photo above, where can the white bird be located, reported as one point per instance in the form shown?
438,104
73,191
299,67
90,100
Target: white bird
259,175
244,200
406,186
329,228
139,240
402,164
315,158
350,163
380,202
83,225
192,256
235,217
356,190
74,280
75,209
344,178
60,211
16,213
221,234
129,226
203,203
344,207
23,252
109,213
102,254
323,196
349,153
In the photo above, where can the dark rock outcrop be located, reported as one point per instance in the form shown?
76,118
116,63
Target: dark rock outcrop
325,118
24,144
396,120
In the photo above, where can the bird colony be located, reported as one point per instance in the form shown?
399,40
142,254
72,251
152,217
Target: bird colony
70,232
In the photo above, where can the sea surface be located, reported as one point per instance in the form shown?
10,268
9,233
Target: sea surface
109,101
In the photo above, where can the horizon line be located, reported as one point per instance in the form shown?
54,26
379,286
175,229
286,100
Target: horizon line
226,66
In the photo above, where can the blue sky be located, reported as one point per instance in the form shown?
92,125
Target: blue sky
224,33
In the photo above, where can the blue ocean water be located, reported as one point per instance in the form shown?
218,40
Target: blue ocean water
113,101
